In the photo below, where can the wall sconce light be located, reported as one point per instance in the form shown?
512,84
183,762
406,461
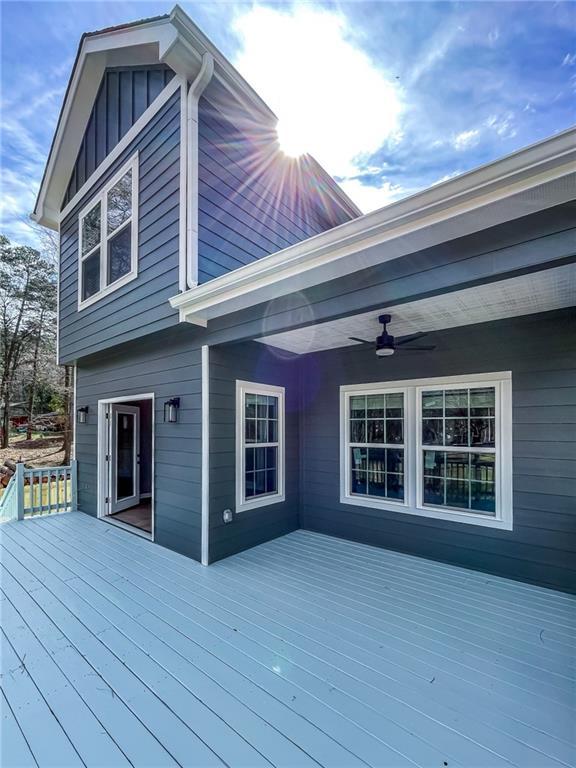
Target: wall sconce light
171,410
82,415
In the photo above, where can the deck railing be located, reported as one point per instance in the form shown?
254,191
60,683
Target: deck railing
43,491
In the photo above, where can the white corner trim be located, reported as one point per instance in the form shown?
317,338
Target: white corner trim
412,446
342,250
248,387
205,479
182,282
194,92
124,142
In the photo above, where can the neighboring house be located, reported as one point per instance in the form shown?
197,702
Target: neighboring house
215,296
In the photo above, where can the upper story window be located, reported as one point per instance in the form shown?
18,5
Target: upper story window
108,237
259,445
438,448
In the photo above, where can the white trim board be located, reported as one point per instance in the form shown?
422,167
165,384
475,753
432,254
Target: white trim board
133,133
533,179
101,453
205,478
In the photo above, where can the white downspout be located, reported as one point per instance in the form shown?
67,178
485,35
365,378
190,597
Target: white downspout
194,92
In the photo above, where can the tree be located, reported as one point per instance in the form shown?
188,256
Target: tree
27,314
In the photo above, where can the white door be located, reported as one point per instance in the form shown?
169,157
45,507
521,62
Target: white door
124,477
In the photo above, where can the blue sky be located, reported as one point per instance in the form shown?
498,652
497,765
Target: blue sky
390,97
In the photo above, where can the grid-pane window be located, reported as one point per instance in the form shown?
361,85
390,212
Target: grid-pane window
376,445
438,448
464,419
260,444
261,451
108,236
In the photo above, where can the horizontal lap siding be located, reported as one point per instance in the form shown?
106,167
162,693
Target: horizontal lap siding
141,306
124,94
253,200
541,353
169,366
248,362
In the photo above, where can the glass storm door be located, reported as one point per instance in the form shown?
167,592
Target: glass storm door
125,457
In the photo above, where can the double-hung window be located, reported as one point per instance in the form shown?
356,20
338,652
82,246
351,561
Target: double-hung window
259,445
436,447
108,237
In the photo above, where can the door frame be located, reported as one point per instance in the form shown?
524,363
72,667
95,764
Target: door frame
102,479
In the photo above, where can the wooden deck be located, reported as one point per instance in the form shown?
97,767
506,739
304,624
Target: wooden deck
304,651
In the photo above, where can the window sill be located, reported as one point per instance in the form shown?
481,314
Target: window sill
107,291
263,501
469,518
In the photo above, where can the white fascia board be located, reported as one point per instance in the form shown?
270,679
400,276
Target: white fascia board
142,44
545,172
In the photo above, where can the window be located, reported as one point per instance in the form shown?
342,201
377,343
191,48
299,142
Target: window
377,445
437,447
259,445
108,237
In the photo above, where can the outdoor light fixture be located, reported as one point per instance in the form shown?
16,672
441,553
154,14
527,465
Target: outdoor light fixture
385,342
82,414
171,410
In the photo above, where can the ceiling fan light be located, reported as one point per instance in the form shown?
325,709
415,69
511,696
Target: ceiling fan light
385,345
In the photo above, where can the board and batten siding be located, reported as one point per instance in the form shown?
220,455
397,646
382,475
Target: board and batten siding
540,350
252,199
141,306
255,363
168,365
124,95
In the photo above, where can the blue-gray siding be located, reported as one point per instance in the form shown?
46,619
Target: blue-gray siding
124,94
541,353
253,200
168,365
248,362
141,306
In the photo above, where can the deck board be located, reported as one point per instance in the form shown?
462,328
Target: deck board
304,651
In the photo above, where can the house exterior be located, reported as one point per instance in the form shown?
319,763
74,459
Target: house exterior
220,303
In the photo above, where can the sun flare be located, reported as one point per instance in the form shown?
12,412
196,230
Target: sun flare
330,99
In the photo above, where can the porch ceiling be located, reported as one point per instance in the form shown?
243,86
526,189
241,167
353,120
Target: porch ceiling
538,292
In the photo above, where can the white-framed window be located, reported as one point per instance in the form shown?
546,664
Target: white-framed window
108,237
437,447
260,462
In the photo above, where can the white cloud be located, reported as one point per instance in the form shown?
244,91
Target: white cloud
503,125
466,139
569,60
369,198
330,99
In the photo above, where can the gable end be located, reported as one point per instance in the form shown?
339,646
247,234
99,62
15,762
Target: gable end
123,96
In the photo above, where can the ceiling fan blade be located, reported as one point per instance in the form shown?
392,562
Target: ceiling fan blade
362,341
416,349
412,337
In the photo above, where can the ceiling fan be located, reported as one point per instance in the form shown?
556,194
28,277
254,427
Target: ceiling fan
386,344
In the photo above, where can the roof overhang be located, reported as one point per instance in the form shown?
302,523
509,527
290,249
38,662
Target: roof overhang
531,180
174,40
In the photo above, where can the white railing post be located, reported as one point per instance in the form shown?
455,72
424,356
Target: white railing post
20,489
74,485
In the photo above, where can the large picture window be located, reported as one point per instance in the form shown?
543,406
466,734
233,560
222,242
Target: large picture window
259,445
437,447
108,237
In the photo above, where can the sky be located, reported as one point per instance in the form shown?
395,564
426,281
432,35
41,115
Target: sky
391,97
